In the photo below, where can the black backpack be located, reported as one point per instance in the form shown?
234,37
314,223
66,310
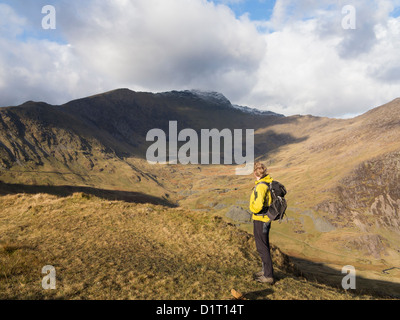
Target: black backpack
278,206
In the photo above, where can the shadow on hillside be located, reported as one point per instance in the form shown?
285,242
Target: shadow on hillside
65,191
268,142
322,274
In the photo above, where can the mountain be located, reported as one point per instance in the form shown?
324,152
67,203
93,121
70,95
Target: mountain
99,139
117,120
342,175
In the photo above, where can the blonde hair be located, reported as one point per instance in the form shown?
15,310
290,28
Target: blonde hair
260,170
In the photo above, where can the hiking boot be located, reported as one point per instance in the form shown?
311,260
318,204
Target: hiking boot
264,279
258,274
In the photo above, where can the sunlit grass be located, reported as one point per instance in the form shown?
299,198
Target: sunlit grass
116,250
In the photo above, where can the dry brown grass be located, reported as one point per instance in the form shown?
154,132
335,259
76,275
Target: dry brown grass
115,250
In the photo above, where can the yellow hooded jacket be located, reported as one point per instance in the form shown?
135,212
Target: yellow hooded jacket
260,199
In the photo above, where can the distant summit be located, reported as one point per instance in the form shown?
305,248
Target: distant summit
218,99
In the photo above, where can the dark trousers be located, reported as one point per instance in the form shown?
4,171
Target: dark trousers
261,235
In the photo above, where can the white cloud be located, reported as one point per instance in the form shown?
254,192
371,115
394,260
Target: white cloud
300,61
41,71
37,69
164,45
151,45
11,24
314,66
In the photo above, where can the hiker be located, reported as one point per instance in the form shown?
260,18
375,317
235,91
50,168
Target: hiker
259,200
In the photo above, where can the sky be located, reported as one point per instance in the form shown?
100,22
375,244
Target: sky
334,58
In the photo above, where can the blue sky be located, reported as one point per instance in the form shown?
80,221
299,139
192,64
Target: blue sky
257,10
395,13
287,56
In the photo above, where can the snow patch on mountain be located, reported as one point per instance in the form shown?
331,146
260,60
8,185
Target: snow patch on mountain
211,96
257,111
216,97
219,99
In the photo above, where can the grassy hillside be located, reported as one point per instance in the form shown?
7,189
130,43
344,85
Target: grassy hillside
104,249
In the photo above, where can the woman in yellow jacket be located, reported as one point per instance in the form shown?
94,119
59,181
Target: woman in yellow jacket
259,200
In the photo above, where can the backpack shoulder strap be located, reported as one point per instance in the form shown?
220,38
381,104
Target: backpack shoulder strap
269,186
263,182
255,188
